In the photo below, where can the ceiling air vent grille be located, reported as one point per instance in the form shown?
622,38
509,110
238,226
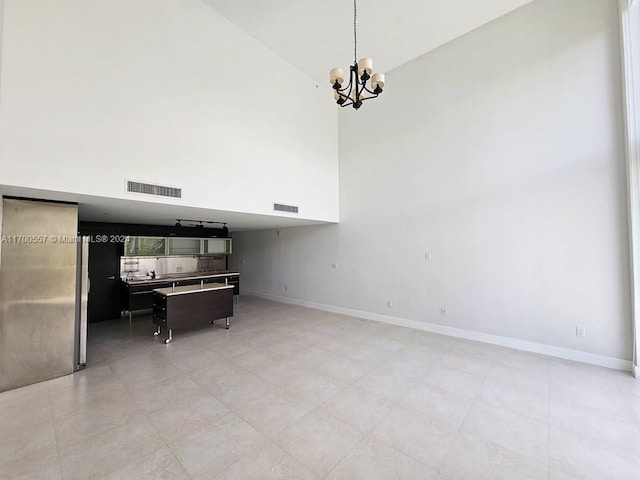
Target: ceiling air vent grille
285,208
151,189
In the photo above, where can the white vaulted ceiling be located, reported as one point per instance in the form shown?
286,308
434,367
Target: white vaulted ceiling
316,35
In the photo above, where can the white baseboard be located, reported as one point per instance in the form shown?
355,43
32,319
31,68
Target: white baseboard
635,370
541,348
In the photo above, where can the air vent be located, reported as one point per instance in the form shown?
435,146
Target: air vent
151,189
285,208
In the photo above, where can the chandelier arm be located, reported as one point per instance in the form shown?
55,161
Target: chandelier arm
369,98
370,91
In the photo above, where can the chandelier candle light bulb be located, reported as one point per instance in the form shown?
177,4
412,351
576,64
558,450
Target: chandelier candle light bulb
356,91
337,74
377,81
365,65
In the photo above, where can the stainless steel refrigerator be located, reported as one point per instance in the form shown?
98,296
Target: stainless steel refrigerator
39,328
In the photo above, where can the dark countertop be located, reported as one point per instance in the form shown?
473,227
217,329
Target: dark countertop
177,277
186,289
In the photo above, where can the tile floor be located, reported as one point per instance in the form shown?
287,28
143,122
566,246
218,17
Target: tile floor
293,393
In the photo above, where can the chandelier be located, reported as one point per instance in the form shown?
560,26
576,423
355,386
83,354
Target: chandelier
357,90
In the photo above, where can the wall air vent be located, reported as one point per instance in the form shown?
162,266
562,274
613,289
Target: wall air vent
285,208
151,189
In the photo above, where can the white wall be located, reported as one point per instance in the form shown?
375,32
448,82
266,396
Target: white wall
501,154
164,91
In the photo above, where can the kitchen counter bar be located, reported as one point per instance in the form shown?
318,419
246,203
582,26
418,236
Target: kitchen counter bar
177,278
186,289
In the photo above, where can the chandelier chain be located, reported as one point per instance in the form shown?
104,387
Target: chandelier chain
355,38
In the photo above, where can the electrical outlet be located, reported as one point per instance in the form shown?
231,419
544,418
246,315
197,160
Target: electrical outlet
242,261
443,311
581,331
389,303
334,265
427,256
286,288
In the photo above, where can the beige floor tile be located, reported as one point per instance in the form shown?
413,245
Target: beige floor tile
273,412
509,430
195,360
24,415
588,458
314,388
168,391
32,464
606,400
208,449
367,354
527,402
471,364
195,409
425,442
383,384
343,369
280,372
255,359
386,343
93,418
454,381
232,386
267,462
435,405
22,395
19,440
374,460
555,474
425,353
473,458
524,377
66,400
476,349
106,453
312,356
357,407
318,441
158,463
617,431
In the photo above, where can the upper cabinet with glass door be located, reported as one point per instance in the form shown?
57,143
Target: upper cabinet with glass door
217,246
159,246
145,246
185,246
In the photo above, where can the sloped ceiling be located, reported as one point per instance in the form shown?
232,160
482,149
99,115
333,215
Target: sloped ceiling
317,35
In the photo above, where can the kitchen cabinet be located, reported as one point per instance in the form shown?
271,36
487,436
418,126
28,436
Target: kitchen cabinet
220,246
184,246
188,306
159,247
144,246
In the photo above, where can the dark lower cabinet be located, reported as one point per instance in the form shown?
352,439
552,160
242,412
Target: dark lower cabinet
189,308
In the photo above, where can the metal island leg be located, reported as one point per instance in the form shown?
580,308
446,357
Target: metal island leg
169,338
227,326
158,331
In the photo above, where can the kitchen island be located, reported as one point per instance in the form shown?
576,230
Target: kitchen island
189,305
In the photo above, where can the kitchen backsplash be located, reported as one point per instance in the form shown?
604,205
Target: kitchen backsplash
142,267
